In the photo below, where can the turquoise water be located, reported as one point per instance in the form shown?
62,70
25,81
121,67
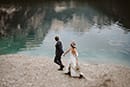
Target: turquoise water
99,38
107,45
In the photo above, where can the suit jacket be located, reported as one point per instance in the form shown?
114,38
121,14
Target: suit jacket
59,48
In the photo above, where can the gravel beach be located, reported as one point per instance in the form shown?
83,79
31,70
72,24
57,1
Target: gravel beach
36,71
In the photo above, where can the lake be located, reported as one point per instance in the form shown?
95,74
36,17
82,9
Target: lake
99,38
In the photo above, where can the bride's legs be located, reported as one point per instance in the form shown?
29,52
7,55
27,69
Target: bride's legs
67,70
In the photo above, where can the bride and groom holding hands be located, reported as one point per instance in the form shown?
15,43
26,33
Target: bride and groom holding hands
72,68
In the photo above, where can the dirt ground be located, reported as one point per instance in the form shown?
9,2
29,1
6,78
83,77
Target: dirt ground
34,71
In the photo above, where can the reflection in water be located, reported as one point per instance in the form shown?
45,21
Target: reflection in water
98,37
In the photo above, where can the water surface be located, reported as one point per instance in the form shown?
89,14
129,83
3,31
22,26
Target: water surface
99,38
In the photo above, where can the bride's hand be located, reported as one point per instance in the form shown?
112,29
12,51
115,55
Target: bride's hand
76,62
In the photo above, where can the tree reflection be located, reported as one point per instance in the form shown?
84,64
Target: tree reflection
26,25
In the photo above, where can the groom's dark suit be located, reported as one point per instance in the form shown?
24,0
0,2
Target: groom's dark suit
59,51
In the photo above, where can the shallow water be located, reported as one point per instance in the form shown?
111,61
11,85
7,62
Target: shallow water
99,38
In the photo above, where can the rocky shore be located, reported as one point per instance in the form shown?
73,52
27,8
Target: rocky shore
36,71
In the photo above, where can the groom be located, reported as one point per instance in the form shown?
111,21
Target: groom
58,53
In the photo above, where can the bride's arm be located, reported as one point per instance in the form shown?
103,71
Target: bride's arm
76,56
66,52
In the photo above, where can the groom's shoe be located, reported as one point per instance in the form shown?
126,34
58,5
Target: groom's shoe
61,68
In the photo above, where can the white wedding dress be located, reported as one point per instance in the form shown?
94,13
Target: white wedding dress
71,66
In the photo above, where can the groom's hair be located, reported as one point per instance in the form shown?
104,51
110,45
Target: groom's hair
56,38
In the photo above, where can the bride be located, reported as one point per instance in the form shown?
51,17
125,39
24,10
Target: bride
73,66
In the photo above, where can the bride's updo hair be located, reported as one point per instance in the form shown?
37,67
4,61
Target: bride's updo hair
73,44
